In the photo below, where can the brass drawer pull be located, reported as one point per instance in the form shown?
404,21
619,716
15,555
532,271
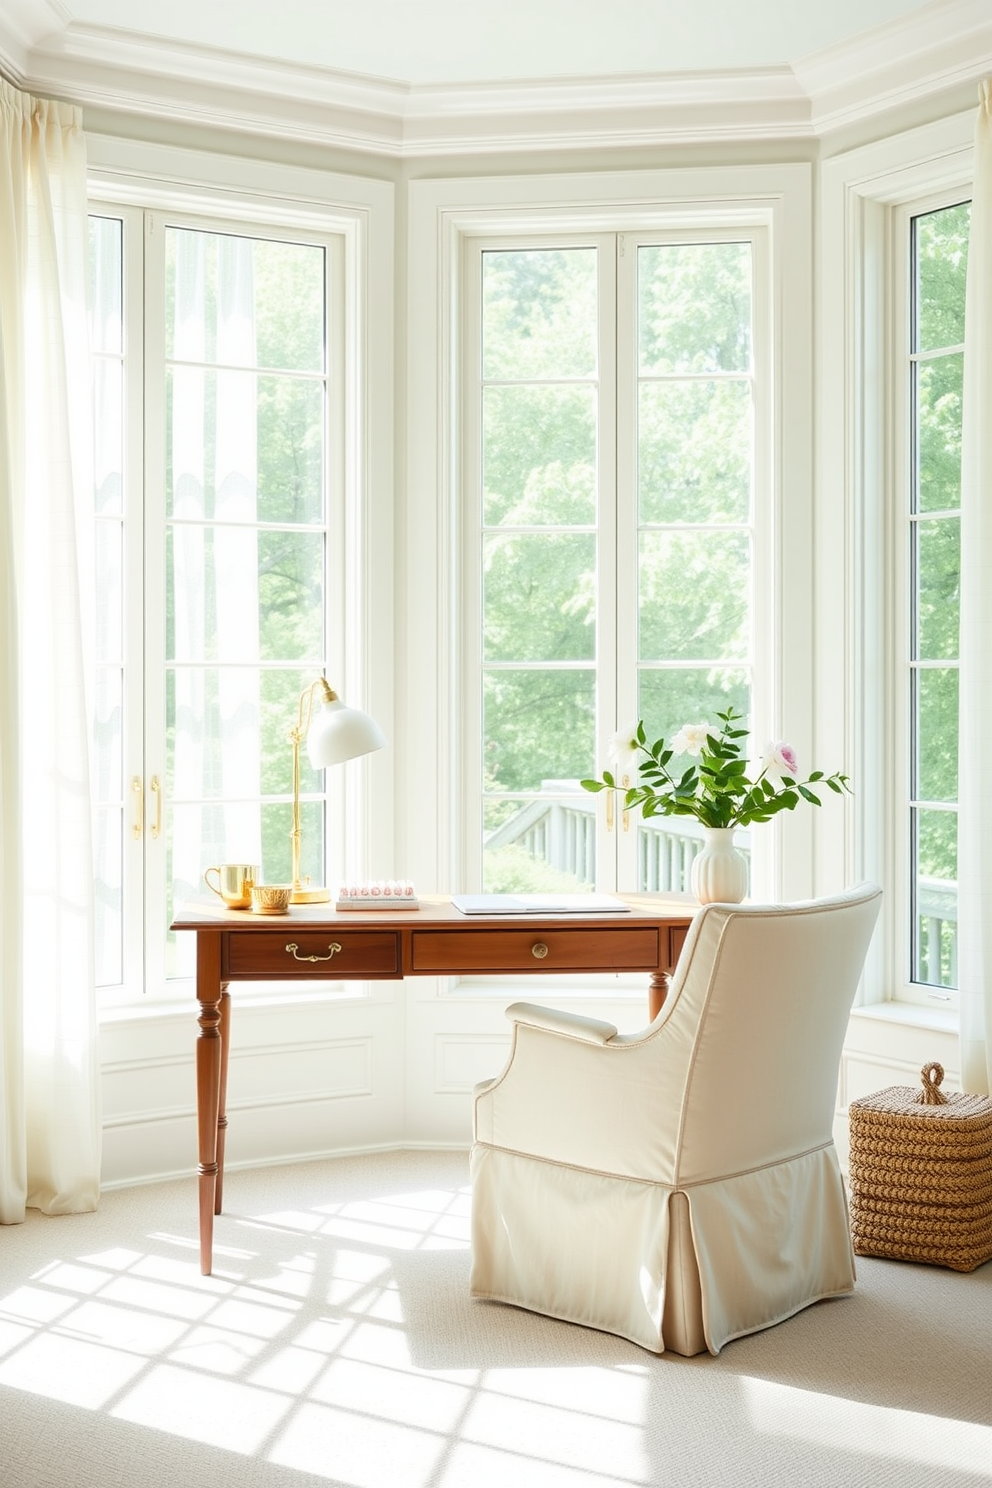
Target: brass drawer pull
539,949
333,947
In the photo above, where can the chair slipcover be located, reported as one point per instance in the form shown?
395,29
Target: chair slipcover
680,1186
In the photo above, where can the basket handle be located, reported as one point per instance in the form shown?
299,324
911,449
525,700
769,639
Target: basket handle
931,1094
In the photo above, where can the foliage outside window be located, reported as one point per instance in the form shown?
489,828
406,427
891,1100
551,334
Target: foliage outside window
616,500
939,249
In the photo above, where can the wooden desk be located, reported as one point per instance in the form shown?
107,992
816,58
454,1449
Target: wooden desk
313,942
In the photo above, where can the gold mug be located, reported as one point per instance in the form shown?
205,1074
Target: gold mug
271,898
234,883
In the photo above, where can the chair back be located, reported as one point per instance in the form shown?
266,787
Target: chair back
768,991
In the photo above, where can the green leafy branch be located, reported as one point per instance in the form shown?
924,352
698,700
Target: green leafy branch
716,790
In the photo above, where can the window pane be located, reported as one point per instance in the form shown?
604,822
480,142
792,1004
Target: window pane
239,594
108,540
291,595
539,442
547,845
106,295
695,307
108,751
290,457
939,249
537,725
108,435
539,455
694,451
936,734
936,898
277,849
941,269
671,697
938,576
938,433
539,597
243,716
280,690
539,313
243,447
240,302
694,589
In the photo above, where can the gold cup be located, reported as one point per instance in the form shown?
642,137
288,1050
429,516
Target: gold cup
270,898
234,883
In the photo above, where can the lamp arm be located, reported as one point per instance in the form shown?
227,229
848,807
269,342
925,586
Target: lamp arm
297,735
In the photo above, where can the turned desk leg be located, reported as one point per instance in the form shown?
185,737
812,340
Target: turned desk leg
657,992
224,1028
210,1062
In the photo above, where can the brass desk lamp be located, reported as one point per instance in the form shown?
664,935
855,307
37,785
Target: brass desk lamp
334,734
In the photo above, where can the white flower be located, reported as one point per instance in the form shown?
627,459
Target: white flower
691,738
624,749
779,761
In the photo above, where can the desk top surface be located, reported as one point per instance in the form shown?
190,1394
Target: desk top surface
434,911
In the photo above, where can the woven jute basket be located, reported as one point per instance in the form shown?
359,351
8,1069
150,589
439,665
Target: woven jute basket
921,1174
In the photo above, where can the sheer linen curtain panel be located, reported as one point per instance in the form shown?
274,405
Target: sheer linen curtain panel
49,1095
975,787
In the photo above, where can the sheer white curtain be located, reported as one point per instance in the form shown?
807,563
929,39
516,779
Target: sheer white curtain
49,1088
975,788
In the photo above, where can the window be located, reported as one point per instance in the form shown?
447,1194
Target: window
938,252
617,517
220,406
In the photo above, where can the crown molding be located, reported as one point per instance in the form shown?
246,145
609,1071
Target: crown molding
23,25
943,45
946,43
115,71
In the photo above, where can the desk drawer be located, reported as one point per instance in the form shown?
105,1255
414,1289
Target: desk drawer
467,951
312,953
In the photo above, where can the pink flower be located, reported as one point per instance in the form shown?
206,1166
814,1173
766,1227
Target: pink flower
779,760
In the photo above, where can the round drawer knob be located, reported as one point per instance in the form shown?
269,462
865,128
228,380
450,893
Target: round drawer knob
539,949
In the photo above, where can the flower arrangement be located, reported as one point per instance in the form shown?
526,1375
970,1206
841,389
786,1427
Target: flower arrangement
715,787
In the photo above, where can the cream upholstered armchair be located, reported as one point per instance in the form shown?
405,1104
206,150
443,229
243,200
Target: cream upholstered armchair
680,1186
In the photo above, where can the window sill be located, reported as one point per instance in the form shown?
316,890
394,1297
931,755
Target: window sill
909,1015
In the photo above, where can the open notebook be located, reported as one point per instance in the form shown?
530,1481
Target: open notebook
553,904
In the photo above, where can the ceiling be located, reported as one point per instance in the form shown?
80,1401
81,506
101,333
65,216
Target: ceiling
458,41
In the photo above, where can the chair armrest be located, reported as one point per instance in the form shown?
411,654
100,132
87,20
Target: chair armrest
572,1025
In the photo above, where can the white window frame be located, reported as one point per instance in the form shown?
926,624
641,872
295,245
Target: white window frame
442,214
617,541
359,213
861,547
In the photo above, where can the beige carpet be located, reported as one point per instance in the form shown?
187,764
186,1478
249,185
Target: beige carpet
336,1344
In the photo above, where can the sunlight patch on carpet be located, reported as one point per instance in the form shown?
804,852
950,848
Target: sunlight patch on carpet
872,1430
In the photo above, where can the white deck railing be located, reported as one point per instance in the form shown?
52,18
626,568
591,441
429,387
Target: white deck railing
561,831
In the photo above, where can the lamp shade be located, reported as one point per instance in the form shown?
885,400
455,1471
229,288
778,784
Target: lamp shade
338,733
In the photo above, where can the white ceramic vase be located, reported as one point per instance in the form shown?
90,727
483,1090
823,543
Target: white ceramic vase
719,872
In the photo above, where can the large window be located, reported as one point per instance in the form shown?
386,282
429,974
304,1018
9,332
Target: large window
218,418
617,497
938,250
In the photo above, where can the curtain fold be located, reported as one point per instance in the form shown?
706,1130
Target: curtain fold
49,1099
975,776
